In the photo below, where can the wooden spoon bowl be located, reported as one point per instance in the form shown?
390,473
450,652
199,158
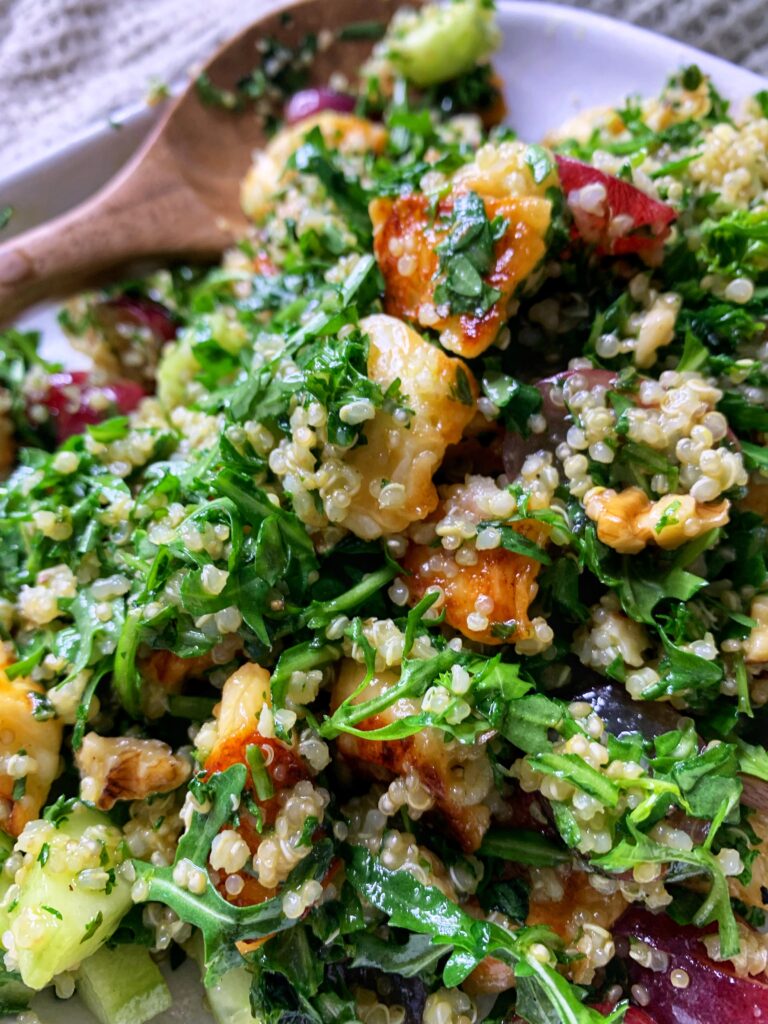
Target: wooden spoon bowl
178,197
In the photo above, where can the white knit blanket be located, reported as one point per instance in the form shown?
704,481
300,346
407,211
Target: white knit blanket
68,64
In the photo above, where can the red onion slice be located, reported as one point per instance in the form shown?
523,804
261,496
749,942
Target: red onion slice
138,311
632,1016
308,102
622,714
517,448
703,992
76,400
616,216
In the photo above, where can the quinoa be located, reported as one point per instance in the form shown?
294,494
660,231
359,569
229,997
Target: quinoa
387,610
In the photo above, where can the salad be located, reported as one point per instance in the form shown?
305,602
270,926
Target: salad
384,613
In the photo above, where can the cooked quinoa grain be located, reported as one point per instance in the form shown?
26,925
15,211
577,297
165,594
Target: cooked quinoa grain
386,611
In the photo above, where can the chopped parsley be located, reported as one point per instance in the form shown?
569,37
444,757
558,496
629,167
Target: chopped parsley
467,256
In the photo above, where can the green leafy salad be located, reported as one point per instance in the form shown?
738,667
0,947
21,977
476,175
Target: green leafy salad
384,611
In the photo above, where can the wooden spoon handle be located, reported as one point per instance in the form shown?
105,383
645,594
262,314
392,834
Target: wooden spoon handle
60,254
117,225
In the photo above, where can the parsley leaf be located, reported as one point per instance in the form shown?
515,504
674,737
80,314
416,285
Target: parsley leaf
466,256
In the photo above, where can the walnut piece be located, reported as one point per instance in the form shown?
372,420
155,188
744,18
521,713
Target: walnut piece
628,520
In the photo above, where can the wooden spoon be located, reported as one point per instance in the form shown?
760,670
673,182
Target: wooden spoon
179,195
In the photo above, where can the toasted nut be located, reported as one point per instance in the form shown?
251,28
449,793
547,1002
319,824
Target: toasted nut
127,768
657,330
756,644
628,520
243,696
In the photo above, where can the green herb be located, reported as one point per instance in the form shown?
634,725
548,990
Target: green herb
742,415
669,516
308,831
513,540
579,774
282,70
157,92
673,168
466,257
425,910
694,355
540,162
528,723
214,96
221,924
517,401
753,760
262,782
19,788
314,157
755,455
523,847
691,77
92,927
461,390
362,30
714,907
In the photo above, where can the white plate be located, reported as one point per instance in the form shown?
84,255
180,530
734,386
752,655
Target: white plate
554,61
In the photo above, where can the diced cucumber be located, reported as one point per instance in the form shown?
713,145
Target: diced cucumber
6,847
229,999
122,985
14,996
175,371
441,41
70,896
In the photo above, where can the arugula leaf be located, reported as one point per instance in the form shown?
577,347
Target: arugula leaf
753,759
694,355
742,415
709,781
579,773
528,721
14,994
221,923
425,910
681,670
509,897
755,455
513,540
643,581
716,906
522,846
410,959
289,953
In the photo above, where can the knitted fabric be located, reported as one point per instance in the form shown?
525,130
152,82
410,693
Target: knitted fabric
66,65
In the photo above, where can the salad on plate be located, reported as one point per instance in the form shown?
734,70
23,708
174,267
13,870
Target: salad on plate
384,613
